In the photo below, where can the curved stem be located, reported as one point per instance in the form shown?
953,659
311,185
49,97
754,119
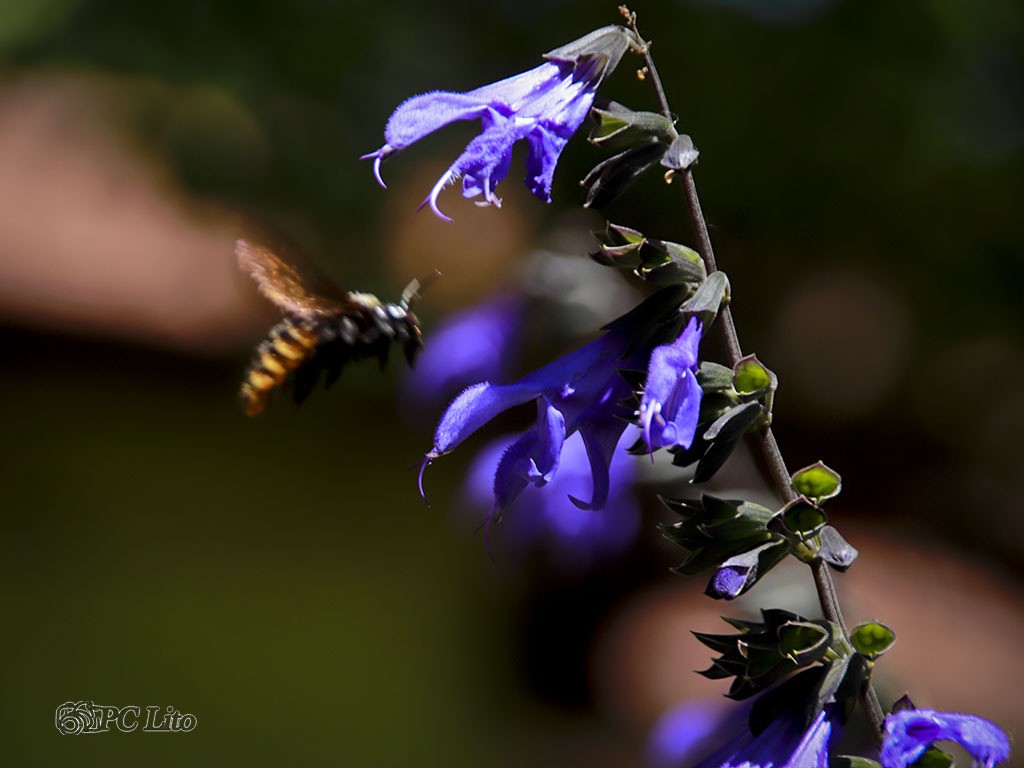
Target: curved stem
763,441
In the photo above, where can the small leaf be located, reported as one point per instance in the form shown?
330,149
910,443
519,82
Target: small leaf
707,299
872,638
839,674
835,550
664,261
734,422
610,178
623,256
617,124
713,377
726,438
604,46
751,377
681,154
817,482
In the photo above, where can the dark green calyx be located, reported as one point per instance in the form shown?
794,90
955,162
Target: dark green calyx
804,641
617,126
681,154
872,639
817,482
933,757
603,47
712,530
650,259
752,378
729,536
800,520
613,176
763,653
851,761
835,550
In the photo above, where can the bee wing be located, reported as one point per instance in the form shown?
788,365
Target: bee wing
282,283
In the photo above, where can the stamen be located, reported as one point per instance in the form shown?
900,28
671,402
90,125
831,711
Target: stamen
647,416
376,171
378,156
431,199
427,460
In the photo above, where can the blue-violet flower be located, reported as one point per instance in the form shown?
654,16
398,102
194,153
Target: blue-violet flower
475,344
670,406
909,732
783,744
544,106
547,521
582,392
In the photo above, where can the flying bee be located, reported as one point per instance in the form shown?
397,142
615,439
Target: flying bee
321,330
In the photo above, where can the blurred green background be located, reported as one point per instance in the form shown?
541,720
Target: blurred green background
279,578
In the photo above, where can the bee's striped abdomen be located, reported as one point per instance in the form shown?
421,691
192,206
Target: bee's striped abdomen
290,342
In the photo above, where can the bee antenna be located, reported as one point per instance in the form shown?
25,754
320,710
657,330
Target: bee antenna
415,289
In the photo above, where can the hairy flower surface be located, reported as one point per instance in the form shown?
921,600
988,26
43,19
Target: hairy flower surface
670,406
910,732
543,106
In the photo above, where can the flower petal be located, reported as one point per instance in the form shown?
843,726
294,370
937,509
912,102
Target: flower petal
476,344
545,148
910,732
420,115
550,437
812,752
600,440
509,95
474,408
684,411
670,406
485,161
509,478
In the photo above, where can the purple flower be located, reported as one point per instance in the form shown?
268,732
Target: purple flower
785,743
574,539
469,346
544,106
582,393
683,732
909,732
670,406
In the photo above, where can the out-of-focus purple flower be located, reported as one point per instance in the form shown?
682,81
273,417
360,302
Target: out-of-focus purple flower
909,732
473,345
685,731
544,106
670,407
785,743
575,539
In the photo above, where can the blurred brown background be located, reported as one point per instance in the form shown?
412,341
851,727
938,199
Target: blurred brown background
861,168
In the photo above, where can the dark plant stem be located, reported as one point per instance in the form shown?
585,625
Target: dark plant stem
763,441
